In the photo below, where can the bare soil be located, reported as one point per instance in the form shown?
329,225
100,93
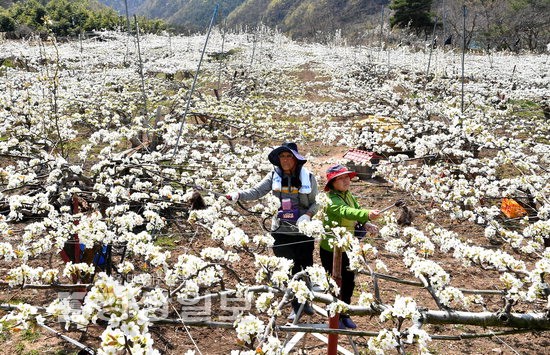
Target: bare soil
179,339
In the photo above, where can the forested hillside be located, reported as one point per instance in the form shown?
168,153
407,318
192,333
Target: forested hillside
496,25
502,25
190,15
298,18
63,18
306,19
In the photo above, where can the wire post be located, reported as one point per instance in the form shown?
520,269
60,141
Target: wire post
463,55
195,80
127,16
381,27
218,93
444,20
432,44
253,50
128,29
145,122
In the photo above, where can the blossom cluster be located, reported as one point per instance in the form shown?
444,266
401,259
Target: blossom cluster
272,270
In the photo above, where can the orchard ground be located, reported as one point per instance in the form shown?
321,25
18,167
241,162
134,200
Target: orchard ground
324,98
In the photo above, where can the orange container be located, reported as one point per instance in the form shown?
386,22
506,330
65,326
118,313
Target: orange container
511,208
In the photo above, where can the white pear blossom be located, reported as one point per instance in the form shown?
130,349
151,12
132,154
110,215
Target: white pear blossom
248,327
385,341
337,307
264,301
403,308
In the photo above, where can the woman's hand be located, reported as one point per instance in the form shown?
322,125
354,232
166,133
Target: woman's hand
232,197
374,214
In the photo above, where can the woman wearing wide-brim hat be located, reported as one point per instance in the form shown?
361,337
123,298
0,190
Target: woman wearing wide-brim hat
296,189
343,211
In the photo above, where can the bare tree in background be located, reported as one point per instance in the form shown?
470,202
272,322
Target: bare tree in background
500,25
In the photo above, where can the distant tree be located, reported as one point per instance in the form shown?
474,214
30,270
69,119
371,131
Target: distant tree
67,17
30,13
412,14
530,23
7,24
71,17
499,25
455,21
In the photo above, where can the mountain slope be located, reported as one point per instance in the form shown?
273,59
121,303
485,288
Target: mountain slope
306,18
6,3
120,7
191,15
298,18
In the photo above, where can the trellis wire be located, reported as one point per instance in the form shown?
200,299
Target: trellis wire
187,330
